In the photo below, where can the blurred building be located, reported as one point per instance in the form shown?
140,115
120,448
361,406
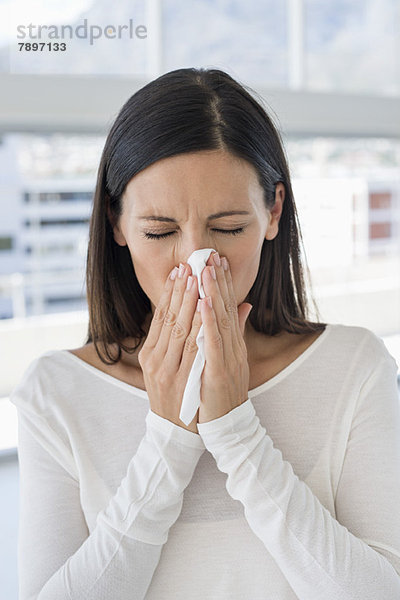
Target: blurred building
43,245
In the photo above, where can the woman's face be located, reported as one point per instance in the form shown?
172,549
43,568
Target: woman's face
177,197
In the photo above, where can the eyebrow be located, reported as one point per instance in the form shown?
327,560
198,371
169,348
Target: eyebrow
226,213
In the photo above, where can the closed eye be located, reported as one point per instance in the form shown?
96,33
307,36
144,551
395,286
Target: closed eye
154,236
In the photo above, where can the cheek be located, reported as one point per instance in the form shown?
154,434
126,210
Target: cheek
244,275
151,275
144,273
245,268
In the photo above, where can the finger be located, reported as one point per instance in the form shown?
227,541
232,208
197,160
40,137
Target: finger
232,308
211,288
160,311
238,323
179,346
213,343
223,322
220,273
228,295
173,309
191,348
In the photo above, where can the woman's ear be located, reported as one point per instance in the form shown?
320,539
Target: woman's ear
275,212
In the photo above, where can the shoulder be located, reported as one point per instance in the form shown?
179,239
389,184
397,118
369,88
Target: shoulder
43,378
360,345
40,397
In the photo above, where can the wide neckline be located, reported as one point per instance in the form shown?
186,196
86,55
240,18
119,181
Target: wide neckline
252,393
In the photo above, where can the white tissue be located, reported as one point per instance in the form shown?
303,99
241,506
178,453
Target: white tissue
191,396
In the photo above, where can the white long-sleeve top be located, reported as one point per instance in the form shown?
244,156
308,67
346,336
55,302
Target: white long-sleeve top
294,494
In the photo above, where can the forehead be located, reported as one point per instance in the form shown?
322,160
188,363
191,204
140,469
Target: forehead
197,175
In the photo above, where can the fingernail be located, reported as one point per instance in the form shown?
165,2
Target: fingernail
189,282
213,274
209,301
173,273
198,305
217,259
181,270
224,263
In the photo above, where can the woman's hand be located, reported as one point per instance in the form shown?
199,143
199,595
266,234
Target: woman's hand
225,378
170,348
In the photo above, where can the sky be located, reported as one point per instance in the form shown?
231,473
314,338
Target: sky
342,37
21,12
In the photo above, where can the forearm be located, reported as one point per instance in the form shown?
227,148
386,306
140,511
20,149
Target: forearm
118,559
318,556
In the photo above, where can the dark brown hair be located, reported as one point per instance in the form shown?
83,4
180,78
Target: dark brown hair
182,111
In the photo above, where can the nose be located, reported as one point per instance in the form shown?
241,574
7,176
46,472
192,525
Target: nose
188,253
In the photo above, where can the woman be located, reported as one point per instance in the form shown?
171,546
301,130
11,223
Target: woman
286,484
